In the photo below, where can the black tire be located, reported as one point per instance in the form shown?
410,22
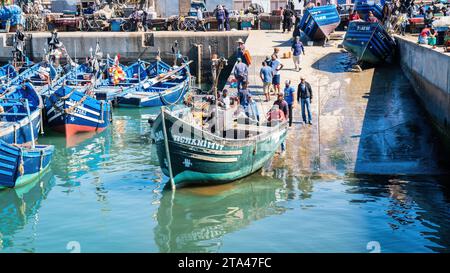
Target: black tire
126,26
174,26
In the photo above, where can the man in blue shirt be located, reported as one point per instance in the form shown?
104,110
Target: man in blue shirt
240,73
289,98
297,50
266,75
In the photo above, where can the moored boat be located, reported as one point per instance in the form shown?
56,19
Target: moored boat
70,111
7,72
369,42
363,7
19,165
164,87
194,154
319,22
20,114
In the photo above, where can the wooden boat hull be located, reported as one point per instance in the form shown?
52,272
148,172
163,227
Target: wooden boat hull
153,98
71,112
319,22
369,42
20,166
198,157
15,127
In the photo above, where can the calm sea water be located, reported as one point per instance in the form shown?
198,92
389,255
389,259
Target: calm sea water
104,194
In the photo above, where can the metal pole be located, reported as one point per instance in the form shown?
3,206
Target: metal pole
318,118
166,145
27,106
199,64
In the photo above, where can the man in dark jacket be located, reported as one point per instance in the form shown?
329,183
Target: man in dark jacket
287,19
304,98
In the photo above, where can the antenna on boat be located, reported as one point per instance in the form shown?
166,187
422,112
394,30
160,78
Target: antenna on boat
75,55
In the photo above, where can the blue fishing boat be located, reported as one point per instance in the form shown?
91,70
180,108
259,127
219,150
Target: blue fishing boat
369,42
168,88
110,78
70,111
319,22
363,7
19,165
40,75
7,72
20,110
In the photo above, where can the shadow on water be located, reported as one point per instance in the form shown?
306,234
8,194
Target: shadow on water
19,207
196,219
335,62
396,137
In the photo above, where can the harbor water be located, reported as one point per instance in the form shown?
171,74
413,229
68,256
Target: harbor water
104,193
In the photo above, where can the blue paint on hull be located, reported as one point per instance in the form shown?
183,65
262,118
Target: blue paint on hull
319,22
363,8
69,108
369,42
19,165
15,126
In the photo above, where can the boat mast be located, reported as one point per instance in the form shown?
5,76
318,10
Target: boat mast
217,66
166,146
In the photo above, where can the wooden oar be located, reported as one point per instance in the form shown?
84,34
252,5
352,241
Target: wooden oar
171,73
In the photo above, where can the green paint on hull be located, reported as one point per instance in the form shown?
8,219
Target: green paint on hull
28,178
214,160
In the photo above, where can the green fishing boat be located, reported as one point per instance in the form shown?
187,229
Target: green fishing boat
191,152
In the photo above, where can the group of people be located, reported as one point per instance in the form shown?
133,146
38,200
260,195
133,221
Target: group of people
223,18
270,74
354,16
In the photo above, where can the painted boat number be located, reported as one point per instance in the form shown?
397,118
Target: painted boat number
190,141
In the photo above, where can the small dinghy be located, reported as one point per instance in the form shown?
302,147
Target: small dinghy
19,165
166,88
70,111
20,114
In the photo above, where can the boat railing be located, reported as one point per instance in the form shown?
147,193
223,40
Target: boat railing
26,105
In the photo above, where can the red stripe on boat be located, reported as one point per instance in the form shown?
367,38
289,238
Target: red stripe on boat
73,129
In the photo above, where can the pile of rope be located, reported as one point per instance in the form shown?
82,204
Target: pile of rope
72,108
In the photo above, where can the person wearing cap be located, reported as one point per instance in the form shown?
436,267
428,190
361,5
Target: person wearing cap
266,75
240,73
276,67
289,98
297,50
240,50
304,98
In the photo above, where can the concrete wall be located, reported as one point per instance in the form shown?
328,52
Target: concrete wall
133,45
429,72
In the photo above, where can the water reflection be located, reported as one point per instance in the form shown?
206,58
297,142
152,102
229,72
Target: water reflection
419,203
19,207
196,219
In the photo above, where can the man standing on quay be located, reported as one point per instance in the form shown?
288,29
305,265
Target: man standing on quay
304,98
